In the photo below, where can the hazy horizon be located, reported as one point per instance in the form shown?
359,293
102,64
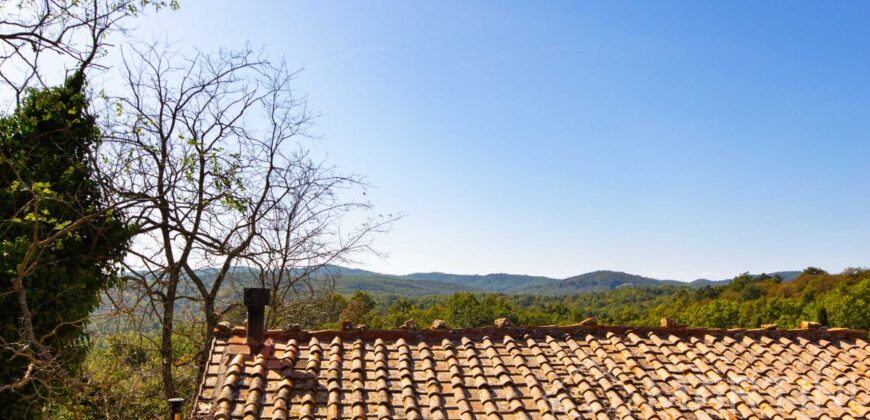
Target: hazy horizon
560,277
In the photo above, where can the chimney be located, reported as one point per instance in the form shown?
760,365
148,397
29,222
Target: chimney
175,405
256,301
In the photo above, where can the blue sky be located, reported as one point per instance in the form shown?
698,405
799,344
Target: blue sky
670,139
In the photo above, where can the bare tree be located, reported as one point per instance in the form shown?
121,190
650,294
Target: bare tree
212,149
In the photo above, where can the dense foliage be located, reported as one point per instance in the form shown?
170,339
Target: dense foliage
123,375
748,301
47,186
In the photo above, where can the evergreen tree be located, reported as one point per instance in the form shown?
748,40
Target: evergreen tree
58,241
822,316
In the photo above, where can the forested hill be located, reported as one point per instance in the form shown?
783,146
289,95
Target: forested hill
596,281
436,283
418,284
747,301
499,282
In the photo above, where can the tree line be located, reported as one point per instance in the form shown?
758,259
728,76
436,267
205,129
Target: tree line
748,301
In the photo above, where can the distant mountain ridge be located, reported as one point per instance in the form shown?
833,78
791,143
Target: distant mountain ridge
498,282
417,284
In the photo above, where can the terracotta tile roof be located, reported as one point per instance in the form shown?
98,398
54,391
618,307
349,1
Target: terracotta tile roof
581,371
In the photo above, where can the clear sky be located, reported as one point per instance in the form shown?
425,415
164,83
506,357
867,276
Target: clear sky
670,139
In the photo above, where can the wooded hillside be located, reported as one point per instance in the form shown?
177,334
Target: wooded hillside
841,300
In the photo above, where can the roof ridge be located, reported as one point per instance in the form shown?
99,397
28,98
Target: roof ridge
499,332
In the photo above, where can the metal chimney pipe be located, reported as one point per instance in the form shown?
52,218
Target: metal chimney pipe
175,405
256,300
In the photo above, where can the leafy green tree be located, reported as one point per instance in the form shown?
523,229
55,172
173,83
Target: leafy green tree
58,239
751,292
397,313
464,310
497,306
358,307
707,292
717,314
847,309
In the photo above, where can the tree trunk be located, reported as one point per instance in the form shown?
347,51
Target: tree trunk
166,359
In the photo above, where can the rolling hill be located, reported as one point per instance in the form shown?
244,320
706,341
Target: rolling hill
596,281
499,283
440,283
384,284
437,283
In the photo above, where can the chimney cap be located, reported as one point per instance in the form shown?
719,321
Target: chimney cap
175,404
256,296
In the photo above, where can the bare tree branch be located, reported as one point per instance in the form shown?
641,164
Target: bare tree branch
211,148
